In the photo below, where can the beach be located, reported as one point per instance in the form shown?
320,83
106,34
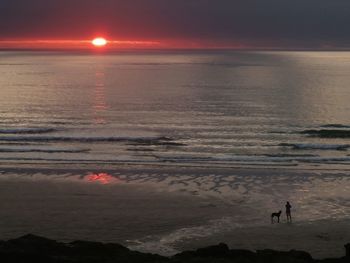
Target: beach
165,210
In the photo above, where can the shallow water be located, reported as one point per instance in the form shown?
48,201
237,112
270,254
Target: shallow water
220,108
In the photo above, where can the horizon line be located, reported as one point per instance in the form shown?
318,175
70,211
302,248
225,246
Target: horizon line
146,45
169,49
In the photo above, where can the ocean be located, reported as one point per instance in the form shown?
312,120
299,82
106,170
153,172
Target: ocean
218,109
240,131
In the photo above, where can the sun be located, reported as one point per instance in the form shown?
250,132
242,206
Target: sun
99,42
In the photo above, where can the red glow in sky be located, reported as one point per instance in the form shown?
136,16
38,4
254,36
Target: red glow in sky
187,24
109,44
44,44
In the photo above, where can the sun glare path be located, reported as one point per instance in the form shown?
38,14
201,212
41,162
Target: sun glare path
99,42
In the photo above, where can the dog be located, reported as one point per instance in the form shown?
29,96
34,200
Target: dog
273,215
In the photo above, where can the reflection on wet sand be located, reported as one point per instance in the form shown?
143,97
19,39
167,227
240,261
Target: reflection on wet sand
102,178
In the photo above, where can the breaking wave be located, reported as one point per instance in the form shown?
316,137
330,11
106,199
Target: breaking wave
27,131
311,146
32,150
340,126
138,140
328,133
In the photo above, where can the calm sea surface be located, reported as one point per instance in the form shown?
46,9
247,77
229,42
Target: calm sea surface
219,109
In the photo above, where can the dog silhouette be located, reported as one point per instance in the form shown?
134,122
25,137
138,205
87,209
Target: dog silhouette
273,215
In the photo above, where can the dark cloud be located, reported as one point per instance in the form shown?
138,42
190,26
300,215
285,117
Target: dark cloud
301,22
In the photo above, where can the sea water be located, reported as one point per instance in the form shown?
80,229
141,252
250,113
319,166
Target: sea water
181,108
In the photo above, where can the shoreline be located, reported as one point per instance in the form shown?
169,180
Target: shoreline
168,210
53,168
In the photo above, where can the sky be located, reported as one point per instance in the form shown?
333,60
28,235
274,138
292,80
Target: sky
182,23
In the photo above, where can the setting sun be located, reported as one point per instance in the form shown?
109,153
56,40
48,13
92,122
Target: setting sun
99,42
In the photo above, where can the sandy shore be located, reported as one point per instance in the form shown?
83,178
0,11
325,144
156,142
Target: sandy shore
171,210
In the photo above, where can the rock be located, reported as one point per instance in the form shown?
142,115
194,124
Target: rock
218,251
36,249
32,244
240,254
347,248
272,256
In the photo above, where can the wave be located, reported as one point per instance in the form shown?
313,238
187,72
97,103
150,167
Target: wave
290,155
325,160
79,160
340,126
16,64
166,244
326,133
225,158
311,146
251,159
27,131
32,150
165,141
228,160
214,64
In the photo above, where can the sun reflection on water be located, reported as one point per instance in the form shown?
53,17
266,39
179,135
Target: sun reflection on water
100,105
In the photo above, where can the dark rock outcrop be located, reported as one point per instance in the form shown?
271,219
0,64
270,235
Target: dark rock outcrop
36,249
347,248
278,256
32,248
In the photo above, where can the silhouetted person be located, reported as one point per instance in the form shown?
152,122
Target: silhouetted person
288,212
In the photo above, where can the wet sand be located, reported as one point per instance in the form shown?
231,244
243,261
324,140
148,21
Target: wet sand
166,210
67,209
